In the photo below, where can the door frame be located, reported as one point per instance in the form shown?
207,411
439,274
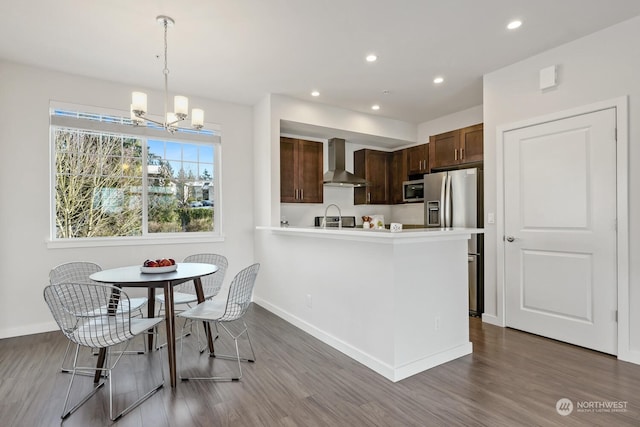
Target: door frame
622,206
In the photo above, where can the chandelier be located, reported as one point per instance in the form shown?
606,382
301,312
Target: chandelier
180,103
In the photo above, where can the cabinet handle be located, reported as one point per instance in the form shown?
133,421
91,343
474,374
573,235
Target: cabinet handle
368,197
302,194
461,153
455,154
296,196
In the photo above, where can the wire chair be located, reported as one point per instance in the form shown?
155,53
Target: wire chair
223,312
88,315
79,272
185,293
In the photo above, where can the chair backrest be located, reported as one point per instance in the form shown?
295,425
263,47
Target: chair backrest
87,313
75,271
240,292
212,283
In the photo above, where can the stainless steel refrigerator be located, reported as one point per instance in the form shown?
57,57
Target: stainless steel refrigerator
455,199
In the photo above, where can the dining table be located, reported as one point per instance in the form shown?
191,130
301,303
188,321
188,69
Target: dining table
134,277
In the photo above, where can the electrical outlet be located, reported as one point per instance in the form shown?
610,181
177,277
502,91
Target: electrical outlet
491,218
437,323
309,301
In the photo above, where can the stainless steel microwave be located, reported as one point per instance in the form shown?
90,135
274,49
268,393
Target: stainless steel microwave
413,191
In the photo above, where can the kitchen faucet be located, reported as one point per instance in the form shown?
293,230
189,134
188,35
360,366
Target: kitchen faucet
324,219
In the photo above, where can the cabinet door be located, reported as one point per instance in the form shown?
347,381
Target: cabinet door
374,166
443,149
310,172
398,174
288,170
378,174
418,159
471,143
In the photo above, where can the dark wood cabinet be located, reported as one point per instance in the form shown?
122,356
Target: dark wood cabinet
300,171
398,174
471,143
418,159
456,147
374,166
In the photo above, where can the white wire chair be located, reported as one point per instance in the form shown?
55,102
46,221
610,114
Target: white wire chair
185,293
79,272
88,315
222,312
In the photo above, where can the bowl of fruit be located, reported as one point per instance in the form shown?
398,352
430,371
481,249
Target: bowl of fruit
162,265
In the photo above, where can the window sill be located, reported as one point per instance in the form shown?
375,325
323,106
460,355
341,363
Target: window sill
132,241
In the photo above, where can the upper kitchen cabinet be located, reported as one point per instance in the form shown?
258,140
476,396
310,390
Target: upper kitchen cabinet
374,166
471,143
300,171
398,174
456,147
418,159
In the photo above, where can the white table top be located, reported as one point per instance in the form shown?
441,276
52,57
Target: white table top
132,275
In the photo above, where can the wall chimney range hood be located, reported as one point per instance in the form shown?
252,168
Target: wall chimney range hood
337,175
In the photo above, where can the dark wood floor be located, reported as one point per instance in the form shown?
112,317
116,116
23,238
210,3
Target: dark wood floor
511,379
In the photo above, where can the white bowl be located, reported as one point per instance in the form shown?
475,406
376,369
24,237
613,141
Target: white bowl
166,269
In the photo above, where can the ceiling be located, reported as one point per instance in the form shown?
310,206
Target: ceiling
240,50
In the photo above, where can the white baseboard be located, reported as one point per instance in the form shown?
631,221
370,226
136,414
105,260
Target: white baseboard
28,330
631,356
492,320
371,362
389,372
432,361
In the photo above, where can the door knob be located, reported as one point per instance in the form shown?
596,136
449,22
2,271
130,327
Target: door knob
510,239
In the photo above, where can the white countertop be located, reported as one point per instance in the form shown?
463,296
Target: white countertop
403,236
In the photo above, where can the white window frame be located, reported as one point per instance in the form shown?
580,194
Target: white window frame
145,133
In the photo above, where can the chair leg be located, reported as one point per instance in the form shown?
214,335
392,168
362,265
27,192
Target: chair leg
222,356
64,359
74,371
108,374
252,359
142,398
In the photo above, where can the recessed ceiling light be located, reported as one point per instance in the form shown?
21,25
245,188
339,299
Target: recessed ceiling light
375,107
315,93
514,24
372,58
438,80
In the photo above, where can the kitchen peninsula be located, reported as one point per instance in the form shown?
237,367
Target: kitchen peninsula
395,301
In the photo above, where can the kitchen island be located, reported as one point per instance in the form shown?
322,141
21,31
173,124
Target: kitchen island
395,301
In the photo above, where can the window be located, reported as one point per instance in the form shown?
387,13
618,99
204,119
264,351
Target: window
115,180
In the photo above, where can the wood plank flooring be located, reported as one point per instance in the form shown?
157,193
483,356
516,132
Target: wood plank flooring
511,379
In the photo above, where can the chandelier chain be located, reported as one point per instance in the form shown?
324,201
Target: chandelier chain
166,76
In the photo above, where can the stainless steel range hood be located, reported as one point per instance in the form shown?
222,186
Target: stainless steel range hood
337,175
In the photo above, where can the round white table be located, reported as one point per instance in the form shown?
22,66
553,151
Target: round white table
132,277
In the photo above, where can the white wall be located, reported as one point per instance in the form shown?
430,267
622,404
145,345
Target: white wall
464,118
598,67
25,260
275,108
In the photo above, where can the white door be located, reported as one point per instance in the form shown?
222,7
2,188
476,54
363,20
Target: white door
560,229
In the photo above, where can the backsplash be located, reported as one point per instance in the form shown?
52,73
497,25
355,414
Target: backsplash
302,214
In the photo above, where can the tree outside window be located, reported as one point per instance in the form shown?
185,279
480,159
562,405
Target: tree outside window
113,185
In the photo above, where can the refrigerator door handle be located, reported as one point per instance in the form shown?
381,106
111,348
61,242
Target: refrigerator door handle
443,201
447,205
